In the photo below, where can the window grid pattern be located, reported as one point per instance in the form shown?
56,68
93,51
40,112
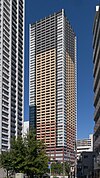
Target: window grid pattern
61,82
46,96
32,78
55,34
11,70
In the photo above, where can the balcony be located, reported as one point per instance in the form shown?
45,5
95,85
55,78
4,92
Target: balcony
97,110
13,114
5,137
13,130
13,119
20,122
96,61
97,93
97,125
97,142
13,124
19,127
97,77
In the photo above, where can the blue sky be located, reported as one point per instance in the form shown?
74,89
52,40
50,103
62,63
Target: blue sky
80,14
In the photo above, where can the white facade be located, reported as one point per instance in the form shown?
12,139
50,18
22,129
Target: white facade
84,145
11,70
25,127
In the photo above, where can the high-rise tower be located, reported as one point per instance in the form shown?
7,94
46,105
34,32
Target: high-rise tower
11,70
96,74
52,98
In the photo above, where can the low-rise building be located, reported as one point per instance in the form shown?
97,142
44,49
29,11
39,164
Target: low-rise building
85,165
84,145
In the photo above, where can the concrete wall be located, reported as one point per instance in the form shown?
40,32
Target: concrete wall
3,173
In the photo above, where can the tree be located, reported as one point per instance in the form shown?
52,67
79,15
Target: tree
6,161
18,153
58,168
67,168
36,162
26,155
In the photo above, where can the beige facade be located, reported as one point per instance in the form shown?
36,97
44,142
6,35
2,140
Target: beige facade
53,85
46,97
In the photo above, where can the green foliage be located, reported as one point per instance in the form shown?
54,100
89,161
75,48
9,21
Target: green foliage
36,161
5,160
67,168
58,168
18,153
26,156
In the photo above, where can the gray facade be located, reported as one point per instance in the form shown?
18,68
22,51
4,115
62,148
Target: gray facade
11,70
85,165
96,74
